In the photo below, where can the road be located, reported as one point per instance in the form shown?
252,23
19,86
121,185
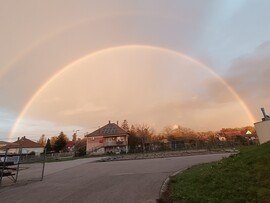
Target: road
87,181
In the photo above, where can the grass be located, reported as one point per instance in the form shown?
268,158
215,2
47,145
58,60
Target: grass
240,178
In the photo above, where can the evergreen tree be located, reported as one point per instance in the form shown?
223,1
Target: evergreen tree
60,142
48,146
125,126
74,137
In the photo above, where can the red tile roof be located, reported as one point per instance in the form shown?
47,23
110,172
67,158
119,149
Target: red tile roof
26,143
10,146
70,144
233,133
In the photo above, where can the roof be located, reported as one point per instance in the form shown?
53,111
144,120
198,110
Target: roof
111,129
26,143
233,133
4,143
70,144
10,146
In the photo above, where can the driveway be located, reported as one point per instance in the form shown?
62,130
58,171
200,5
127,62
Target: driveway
87,181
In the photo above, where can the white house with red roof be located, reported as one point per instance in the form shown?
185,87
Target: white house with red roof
27,146
109,139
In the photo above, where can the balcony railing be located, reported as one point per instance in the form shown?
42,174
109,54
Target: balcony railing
115,143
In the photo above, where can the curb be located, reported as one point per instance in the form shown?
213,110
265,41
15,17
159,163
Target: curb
123,158
164,185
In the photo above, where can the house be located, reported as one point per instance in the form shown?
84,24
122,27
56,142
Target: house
2,144
27,146
70,146
242,137
109,139
221,138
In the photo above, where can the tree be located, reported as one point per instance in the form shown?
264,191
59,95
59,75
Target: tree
133,140
53,140
182,132
132,129
60,142
42,140
74,137
168,133
249,128
80,147
144,132
48,146
179,132
125,126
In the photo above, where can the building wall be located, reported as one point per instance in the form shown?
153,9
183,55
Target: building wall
116,149
96,145
99,151
93,143
114,140
27,150
263,131
2,151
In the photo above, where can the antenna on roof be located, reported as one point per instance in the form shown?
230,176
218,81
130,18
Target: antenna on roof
265,116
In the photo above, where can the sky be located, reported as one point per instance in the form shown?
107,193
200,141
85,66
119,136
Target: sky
74,65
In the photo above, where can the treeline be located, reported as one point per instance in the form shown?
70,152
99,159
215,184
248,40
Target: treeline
143,138
61,143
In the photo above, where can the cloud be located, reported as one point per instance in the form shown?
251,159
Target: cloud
86,108
67,34
210,31
250,77
216,91
7,119
33,129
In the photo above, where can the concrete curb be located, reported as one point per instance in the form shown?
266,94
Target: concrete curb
153,156
164,185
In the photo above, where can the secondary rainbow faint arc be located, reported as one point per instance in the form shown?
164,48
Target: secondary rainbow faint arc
29,103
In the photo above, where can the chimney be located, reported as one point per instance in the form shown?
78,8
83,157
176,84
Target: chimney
117,122
18,138
109,122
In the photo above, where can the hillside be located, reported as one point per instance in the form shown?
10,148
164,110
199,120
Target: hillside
240,178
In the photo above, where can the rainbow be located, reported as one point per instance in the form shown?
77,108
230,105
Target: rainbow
36,94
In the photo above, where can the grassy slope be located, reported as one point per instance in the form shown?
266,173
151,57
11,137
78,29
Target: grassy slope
241,178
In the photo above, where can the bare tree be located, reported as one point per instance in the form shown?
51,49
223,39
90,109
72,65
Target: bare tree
125,126
42,140
144,132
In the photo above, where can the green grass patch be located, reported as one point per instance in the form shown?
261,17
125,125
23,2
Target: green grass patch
240,178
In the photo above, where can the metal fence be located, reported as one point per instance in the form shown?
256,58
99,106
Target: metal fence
49,157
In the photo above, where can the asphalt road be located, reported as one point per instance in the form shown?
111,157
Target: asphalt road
87,181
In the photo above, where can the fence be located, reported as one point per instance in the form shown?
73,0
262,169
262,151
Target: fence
49,157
